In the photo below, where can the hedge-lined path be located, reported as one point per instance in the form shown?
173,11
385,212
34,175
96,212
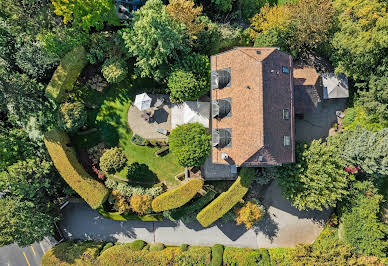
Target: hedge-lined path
283,226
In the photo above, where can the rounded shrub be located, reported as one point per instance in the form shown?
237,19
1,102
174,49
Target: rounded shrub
190,144
183,86
217,253
114,70
72,116
157,247
249,214
141,204
137,245
184,247
113,160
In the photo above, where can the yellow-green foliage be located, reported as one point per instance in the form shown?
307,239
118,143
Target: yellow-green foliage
71,253
66,74
177,197
65,160
223,203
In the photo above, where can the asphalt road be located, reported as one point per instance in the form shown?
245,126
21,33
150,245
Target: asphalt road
13,255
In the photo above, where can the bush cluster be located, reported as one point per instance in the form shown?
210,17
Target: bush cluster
141,204
66,162
113,161
72,116
177,197
127,190
137,245
114,70
66,74
246,256
217,254
223,203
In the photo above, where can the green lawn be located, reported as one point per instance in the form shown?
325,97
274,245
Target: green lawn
111,119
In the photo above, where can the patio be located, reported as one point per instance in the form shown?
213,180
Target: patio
161,119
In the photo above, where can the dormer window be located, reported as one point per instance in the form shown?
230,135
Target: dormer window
222,137
221,108
220,79
285,70
286,141
286,114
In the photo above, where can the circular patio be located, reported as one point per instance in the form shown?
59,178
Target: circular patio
151,126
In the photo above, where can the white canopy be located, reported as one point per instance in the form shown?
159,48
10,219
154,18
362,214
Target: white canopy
190,112
142,101
335,86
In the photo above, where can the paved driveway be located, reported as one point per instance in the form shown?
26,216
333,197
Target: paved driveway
283,226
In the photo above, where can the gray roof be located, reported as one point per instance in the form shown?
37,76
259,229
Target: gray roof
335,86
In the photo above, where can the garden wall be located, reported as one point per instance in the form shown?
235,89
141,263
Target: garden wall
66,162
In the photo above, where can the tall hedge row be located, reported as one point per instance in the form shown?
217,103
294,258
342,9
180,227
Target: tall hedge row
177,197
66,162
66,74
246,256
223,203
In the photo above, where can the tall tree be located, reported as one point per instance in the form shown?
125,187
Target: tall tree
155,39
87,14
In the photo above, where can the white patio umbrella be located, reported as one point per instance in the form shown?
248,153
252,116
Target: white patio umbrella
142,101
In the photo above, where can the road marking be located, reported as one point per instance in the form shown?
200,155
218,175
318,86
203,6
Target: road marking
26,259
33,250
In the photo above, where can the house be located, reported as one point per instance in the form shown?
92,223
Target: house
252,107
124,8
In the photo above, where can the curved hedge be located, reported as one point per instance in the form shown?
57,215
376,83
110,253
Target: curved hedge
177,197
66,74
66,162
116,216
223,203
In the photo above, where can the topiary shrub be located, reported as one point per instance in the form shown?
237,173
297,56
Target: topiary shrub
113,160
157,247
246,256
195,255
177,197
114,70
72,116
184,247
190,144
137,245
141,204
217,253
183,86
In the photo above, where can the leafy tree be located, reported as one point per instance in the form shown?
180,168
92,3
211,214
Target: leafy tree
35,61
105,45
317,179
208,40
223,5
183,86
141,204
184,12
357,117
121,204
249,214
366,149
87,14
360,45
375,100
155,39
362,227
113,160
114,70
72,116
272,38
190,144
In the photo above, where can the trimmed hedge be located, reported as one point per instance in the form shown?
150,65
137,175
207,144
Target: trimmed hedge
246,256
66,162
217,254
223,203
129,217
177,197
195,255
66,74
72,253
176,214
137,245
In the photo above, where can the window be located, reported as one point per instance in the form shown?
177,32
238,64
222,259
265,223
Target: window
285,70
286,141
286,114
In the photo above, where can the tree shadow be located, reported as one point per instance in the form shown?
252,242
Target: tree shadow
109,134
268,226
71,251
141,174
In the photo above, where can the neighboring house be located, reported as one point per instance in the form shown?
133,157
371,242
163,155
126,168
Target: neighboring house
252,107
335,86
124,8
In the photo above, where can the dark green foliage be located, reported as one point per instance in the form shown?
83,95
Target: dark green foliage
137,245
107,246
183,86
217,254
366,149
317,179
208,40
140,172
246,256
35,61
72,116
104,45
192,208
113,160
361,223
375,100
114,70
190,144
155,53
157,247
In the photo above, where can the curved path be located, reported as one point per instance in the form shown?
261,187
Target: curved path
283,226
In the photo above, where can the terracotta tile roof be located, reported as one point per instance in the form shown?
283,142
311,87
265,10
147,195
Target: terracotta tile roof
256,122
